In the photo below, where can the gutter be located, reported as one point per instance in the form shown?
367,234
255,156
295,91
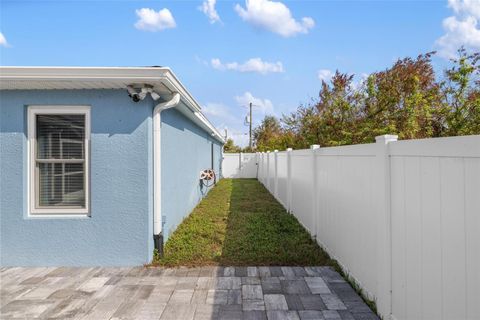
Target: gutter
157,168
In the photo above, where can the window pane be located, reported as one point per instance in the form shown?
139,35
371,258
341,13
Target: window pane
61,184
60,136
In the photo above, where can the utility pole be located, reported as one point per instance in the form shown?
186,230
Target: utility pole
250,121
226,134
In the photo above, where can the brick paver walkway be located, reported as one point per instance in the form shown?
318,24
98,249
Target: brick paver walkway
199,293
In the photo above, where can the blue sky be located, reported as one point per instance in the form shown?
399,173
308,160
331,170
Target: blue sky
233,52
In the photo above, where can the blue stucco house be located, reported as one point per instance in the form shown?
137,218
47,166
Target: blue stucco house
98,166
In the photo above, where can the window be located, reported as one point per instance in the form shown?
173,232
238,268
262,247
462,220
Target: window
59,160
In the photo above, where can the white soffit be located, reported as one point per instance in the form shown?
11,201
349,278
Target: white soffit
162,79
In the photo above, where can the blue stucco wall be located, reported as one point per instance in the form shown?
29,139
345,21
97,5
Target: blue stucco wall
186,150
119,231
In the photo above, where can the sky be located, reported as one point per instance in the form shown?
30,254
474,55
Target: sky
230,53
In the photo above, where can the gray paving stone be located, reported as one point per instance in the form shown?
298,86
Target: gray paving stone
282,315
254,315
182,293
312,272
345,315
228,283
365,316
205,283
331,315
253,305
294,302
230,315
276,272
252,272
264,272
229,272
206,312
311,315
251,280
252,292
217,297
183,296
151,310
332,302
186,283
234,297
288,272
25,308
299,271
312,302
271,287
199,296
173,312
241,271
317,285
294,287
357,306
275,302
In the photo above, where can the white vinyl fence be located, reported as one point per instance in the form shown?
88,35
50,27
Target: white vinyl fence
239,165
401,217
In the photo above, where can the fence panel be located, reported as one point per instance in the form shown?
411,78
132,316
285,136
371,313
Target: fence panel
239,165
436,228
401,217
302,187
346,213
282,178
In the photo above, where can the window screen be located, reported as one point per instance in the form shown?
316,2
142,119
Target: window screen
60,160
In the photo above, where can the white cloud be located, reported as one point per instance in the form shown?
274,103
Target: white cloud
151,20
251,65
461,29
325,75
265,106
469,7
208,8
3,41
218,110
230,118
273,16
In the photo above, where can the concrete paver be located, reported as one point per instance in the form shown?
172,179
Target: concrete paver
257,293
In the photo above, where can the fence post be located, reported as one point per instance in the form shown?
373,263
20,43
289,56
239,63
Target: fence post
240,159
289,179
268,171
275,177
313,148
384,228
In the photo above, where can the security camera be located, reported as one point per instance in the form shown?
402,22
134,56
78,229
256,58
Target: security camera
132,93
144,91
155,96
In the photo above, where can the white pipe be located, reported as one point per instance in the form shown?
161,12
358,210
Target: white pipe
157,161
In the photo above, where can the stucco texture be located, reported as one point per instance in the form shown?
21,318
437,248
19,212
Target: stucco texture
118,231
186,150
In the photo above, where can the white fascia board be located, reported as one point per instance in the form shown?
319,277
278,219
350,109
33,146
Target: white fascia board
148,75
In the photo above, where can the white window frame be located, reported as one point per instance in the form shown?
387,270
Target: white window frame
33,111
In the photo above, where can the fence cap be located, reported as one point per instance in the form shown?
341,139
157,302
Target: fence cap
314,146
386,138
289,149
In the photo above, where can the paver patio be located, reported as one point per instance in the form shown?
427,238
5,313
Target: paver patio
179,294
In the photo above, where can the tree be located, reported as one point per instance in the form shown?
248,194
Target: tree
269,135
406,99
230,147
461,90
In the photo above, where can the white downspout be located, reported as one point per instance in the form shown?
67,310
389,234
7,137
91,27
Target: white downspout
157,168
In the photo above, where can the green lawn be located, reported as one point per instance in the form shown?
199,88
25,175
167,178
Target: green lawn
241,223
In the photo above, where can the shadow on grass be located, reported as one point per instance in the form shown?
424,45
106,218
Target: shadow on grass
261,232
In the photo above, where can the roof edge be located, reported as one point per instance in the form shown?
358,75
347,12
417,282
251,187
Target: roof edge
130,74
